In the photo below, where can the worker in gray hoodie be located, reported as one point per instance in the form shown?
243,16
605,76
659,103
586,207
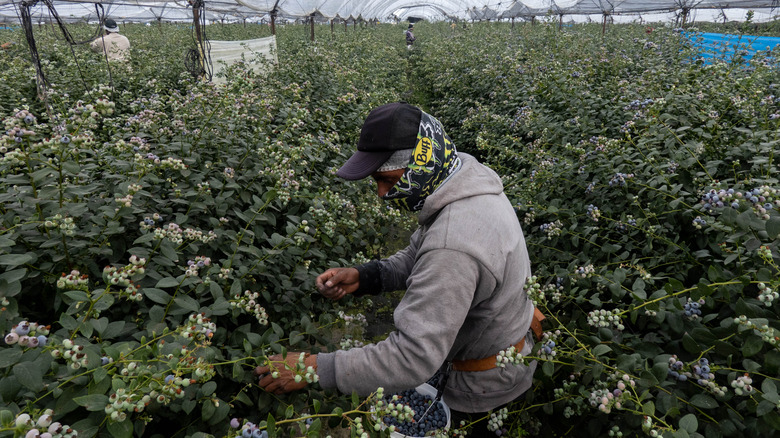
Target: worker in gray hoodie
464,273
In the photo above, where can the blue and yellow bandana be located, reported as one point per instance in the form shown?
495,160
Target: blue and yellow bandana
433,161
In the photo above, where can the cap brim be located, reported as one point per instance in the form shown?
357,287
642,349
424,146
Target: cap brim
362,164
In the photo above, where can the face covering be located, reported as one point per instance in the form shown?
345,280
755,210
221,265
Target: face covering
433,161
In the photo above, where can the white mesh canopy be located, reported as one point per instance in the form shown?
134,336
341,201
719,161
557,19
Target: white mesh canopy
391,10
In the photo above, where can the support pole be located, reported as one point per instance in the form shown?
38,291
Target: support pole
604,24
197,9
312,26
26,20
273,22
560,21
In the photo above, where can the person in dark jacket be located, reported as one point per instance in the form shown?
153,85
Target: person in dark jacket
463,272
409,36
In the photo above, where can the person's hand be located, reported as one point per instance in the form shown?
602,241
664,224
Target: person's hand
279,375
335,283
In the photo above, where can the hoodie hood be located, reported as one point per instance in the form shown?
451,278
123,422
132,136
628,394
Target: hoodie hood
470,180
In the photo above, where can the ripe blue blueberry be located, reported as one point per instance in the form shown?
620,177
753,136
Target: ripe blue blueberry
22,329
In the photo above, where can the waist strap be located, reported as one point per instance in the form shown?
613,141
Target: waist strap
488,363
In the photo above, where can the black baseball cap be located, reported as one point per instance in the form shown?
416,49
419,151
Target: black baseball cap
388,128
110,25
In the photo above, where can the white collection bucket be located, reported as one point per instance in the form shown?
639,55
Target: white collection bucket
426,389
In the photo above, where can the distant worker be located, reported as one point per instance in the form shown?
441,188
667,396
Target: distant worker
6,46
115,46
410,36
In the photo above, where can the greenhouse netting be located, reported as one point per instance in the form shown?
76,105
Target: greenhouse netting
397,10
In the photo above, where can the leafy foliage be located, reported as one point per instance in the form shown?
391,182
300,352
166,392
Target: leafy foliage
163,235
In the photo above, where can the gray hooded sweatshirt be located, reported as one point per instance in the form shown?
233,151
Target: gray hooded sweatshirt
464,272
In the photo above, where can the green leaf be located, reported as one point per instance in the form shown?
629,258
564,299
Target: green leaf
648,408
703,401
768,387
773,227
121,429
6,418
207,410
548,368
29,376
244,398
188,405
235,289
187,303
690,345
772,418
99,324
99,375
14,260
87,428
689,423
9,357
271,425
765,407
752,346
208,388
167,282
93,402
12,276
295,337
71,167
159,296
601,349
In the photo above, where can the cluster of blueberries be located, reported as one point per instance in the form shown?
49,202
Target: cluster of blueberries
675,370
250,430
638,104
435,419
692,309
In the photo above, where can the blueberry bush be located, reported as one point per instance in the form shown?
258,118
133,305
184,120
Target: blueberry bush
160,235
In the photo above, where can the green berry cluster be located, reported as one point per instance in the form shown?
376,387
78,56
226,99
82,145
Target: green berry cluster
64,224
123,277
743,385
508,356
605,318
71,353
248,302
766,332
496,420
766,295
534,290
43,427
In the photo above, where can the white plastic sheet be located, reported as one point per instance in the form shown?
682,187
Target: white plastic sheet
225,53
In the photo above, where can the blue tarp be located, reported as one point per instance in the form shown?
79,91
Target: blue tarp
728,48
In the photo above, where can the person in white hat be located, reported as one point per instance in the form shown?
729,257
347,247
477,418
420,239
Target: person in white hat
115,46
